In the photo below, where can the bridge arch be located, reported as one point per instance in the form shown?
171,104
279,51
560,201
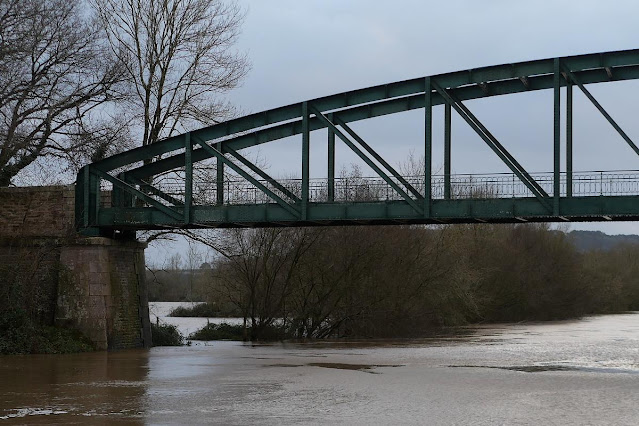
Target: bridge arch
138,203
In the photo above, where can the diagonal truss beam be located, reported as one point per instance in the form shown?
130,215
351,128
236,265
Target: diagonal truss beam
291,209
570,75
155,191
377,157
147,199
366,159
263,174
494,144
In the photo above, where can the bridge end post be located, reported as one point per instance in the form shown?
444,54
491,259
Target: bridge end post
87,203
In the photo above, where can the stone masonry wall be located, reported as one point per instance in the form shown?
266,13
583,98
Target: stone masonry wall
35,267
95,285
42,212
112,310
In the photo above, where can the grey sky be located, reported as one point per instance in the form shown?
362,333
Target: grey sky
305,49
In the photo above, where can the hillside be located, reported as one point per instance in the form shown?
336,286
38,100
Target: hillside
597,240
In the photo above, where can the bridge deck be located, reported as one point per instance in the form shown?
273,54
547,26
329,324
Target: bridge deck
490,198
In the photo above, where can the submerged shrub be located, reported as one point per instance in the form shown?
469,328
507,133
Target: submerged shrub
226,331
166,335
223,331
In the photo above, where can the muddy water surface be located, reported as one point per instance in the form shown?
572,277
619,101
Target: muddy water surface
573,372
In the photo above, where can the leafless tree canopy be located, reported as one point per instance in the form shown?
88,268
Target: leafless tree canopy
54,73
178,55
78,84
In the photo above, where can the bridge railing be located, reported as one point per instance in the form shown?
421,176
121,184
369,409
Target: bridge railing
362,189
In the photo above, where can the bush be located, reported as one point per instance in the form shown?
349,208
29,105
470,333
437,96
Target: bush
223,331
166,335
226,331
20,335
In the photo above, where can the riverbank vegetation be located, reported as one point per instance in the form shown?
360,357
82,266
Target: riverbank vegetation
404,281
26,320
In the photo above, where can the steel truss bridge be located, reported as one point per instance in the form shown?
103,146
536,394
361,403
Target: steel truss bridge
200,179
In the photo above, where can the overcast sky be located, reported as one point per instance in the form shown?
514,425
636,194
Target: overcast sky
300,50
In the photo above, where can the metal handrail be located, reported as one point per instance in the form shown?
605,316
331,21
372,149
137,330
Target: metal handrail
362,189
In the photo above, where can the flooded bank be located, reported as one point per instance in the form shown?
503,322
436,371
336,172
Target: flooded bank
569,372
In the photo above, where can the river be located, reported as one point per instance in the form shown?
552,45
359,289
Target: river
570,372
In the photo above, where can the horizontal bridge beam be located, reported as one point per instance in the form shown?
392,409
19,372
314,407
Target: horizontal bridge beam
580,209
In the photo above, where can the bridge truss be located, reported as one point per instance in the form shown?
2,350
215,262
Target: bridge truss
183,181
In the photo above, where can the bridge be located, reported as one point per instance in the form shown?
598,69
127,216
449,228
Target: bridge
200,179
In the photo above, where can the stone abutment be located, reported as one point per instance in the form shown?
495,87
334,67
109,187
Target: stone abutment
95,285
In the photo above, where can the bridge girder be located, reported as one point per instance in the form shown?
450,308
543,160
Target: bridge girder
334,112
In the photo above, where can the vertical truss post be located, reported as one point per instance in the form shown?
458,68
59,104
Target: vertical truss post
219,178
305,160
569,139
94,197
91,197
83,181
557,136
447,127
428,145
188,178
87,201
119,197
331,161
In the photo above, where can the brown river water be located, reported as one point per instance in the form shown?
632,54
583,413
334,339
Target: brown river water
570,372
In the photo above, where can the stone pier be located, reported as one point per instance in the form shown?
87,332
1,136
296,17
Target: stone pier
95,285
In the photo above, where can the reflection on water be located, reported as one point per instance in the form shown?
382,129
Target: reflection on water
75,386
570,372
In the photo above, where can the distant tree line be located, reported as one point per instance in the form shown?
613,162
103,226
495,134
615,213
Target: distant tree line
402,281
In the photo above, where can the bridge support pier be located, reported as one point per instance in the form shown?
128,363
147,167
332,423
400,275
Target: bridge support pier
95,285
102,292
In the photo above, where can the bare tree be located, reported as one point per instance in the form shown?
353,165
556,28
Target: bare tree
178,56
54,74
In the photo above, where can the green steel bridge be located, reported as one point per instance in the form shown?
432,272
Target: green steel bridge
200,179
